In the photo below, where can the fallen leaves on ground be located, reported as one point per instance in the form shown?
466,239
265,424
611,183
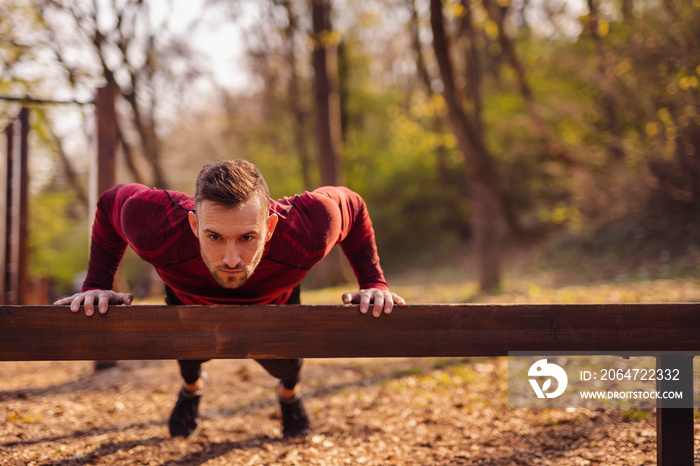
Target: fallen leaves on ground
364,411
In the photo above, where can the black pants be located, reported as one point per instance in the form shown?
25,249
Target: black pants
286,370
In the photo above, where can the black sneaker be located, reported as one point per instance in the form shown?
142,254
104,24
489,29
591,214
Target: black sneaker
183,420
295,422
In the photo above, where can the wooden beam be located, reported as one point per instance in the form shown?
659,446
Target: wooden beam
207,332
201,332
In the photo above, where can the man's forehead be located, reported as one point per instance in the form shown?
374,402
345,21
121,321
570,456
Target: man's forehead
216,212
253,203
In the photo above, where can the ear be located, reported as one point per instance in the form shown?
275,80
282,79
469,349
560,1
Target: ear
192,217
271,225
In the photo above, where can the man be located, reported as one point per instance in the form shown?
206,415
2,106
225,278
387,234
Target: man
231,244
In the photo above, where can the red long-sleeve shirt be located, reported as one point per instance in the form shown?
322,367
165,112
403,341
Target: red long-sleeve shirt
155,224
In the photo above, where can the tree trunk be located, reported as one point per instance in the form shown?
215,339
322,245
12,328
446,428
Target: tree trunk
297,111
438,123
607,87
326,96
487,213
333,270
473,73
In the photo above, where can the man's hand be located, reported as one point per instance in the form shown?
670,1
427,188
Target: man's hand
103,297
382,299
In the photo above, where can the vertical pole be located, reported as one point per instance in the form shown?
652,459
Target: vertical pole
674,418
20,211
5,217
15,219
103,167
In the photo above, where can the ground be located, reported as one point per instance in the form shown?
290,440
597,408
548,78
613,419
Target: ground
364,411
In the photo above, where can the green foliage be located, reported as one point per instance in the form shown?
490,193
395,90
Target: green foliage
411,177
58,239
409,173
281,168
621,102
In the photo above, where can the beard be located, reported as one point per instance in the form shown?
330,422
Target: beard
232,282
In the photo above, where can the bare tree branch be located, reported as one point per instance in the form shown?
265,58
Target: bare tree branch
555,149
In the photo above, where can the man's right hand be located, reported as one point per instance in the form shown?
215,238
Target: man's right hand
87,298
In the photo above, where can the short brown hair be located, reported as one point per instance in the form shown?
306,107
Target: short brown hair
231,183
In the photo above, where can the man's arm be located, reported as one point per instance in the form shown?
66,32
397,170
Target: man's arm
349,214
107,248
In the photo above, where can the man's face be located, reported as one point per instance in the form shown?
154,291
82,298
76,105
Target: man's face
232,239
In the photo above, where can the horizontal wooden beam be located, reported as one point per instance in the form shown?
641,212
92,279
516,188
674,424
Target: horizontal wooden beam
206,332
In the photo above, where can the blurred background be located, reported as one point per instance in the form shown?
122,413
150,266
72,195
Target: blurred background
510,148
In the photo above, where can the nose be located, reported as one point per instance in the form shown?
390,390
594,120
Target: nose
232,256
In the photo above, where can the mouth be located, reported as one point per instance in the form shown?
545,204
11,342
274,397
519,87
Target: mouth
231,272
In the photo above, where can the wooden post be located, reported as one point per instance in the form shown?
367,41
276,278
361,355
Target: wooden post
14,211
674,417
104,164
20,210
5,217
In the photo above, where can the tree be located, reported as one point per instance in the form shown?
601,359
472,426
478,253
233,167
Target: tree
445,196
487,212
497,12
296,107
64,47
647,81
125,48
276,48
326,94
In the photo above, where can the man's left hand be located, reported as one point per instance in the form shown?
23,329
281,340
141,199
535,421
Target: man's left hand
383,300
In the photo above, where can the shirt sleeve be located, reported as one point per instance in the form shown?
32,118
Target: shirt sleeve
355,235
107,244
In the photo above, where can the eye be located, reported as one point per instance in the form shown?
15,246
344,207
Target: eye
214,237
247,238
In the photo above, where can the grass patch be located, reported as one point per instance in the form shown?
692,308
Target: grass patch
636,414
